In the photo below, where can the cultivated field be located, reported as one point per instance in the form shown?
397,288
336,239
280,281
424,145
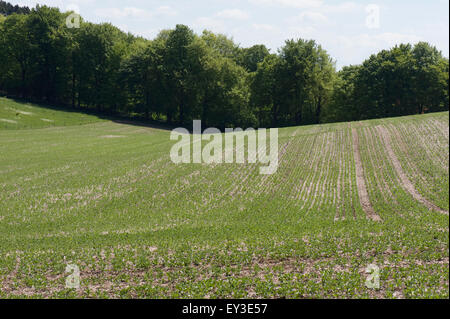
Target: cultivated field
105,196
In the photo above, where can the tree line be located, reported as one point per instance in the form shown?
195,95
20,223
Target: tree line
7,8
180,76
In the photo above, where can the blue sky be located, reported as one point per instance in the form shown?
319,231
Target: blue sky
341,27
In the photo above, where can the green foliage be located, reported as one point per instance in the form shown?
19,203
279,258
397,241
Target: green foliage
343,106
18,115
7,8
292,88
404,80
222,45
97,60
180,76
106,197
250,57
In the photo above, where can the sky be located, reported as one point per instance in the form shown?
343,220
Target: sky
349,30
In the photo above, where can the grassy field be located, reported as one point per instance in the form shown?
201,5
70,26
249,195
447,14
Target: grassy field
106,197
17,115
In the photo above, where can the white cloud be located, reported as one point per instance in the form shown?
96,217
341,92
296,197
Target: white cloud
392,39
122,13
264,27
377,41
218,22
309,18
73,7
62,4
133,12
354,49
165,11
301,32
235,14
211,24
125,28
149,34
345,7
301,4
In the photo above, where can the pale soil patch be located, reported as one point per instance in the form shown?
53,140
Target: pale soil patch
293,134
112,136
377,164
19,111
340,210
406,183
242,173
360,181
403,147
84,196
303,153
313,170
25,113
385,182
262,268
240,188
321,182
443,127
8,121
429,141
9,280
47,120
348,145
283,159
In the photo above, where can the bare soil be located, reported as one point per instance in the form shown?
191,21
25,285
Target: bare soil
406,183
360,181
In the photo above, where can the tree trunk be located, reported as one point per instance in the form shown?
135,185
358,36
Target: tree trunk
73,89
181,104
319,109
23,82
274,116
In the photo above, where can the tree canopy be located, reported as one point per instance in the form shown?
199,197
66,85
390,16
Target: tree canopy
180,76
7,8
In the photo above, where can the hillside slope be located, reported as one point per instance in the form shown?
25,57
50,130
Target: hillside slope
106,197
18,115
